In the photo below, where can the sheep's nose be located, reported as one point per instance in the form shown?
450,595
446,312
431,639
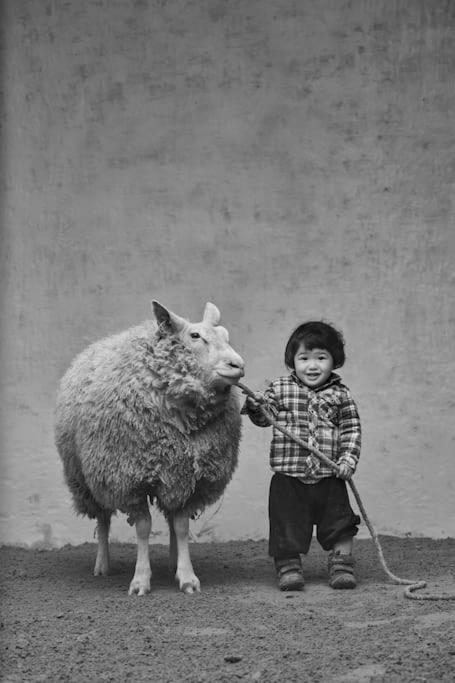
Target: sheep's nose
237,365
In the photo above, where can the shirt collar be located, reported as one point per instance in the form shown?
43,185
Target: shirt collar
334,378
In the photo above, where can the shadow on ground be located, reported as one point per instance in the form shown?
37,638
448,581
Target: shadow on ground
60,623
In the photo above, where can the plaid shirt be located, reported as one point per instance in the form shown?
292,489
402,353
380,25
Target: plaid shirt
325,417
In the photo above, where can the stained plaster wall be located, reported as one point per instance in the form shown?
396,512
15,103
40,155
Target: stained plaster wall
285,160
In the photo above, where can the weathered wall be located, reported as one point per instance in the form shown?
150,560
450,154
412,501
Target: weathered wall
283,159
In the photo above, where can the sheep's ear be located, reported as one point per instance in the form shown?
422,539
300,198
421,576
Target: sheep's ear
166,319
212,315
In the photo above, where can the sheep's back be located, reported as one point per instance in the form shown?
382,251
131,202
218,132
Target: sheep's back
105,415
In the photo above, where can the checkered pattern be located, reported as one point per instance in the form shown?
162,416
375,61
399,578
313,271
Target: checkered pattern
325,417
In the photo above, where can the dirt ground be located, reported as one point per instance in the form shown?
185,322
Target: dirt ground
60,623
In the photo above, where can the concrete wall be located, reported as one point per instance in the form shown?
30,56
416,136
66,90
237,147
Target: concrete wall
284,159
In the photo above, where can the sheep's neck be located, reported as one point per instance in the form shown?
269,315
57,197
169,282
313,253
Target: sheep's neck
185,391
193,413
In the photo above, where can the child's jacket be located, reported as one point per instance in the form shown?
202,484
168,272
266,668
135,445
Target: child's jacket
325,417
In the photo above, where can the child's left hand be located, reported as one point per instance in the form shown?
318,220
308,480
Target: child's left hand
344,471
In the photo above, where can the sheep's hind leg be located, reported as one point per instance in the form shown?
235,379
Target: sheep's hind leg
140,583
172,545
102,555
187,579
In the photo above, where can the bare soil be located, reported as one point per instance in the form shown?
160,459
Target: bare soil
60,623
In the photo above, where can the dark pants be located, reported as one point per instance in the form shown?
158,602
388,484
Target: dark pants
295,507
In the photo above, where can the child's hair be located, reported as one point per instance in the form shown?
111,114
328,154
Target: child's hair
316,335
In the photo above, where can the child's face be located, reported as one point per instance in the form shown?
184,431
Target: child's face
312,366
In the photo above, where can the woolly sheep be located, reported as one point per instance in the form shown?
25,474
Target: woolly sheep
149,415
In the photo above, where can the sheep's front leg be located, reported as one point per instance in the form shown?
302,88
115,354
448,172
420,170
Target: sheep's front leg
188,581
102,556
140,583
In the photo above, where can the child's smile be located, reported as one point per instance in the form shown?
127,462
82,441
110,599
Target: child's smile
313,366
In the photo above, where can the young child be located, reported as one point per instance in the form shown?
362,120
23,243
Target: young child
314,405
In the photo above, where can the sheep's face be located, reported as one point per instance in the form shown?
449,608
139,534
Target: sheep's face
209,342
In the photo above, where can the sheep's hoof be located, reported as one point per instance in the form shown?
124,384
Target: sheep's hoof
190,585
101,564
139,586
101,568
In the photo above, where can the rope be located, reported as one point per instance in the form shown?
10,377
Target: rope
412,586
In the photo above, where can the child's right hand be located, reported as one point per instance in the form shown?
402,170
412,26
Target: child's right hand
254,403
260,399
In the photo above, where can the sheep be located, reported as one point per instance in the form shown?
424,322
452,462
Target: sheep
148,416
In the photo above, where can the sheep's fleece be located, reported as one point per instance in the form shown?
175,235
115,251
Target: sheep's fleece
148,415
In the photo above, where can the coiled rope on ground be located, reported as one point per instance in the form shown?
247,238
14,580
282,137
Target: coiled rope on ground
411,586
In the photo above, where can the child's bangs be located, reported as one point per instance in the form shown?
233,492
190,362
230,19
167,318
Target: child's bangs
315,340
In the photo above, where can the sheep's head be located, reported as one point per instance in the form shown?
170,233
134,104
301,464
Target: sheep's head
207,340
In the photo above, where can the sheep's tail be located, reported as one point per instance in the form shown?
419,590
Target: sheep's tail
411,585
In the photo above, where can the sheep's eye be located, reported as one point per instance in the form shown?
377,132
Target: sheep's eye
195,335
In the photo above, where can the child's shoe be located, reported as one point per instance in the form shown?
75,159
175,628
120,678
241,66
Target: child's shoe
341,570
290,575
